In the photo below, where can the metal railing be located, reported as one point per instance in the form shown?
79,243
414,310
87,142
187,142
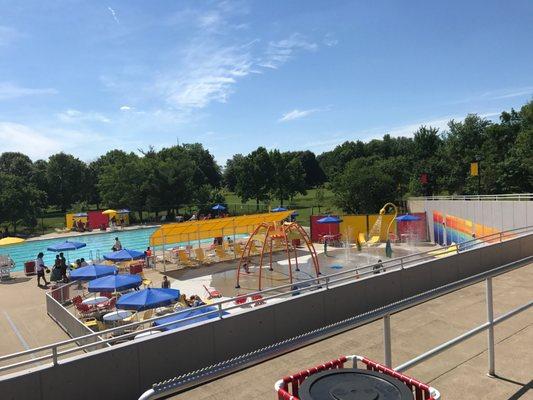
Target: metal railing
512,196
95,340
194,378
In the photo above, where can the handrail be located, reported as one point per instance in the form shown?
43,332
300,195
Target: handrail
510,196
318,283
194,378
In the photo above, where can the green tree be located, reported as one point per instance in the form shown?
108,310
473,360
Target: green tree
65,175
20,201
362,188
254,176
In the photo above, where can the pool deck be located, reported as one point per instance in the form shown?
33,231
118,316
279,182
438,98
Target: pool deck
57,234
458,373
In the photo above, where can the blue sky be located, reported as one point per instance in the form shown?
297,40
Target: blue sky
87,77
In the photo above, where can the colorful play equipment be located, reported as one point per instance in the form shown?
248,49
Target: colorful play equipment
375,232
269,237
332,380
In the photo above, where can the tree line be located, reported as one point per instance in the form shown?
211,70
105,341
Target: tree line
362,175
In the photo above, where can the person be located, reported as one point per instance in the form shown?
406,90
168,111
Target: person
148,254
56,271
378,267
83,263
230,241
117,246
195,301
63,267
193,217
245,265
166,283
40,267
6,232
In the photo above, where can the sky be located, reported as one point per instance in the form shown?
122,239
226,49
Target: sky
87,77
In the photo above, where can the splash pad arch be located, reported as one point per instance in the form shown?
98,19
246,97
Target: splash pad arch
375,232
276,236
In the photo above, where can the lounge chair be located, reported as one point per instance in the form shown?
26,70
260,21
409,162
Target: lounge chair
221,254
201,257
185,259
237,249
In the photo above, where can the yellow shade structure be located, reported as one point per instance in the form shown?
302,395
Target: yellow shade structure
192,231
10,240
109,212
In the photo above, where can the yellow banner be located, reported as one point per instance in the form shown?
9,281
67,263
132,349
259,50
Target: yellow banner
474,169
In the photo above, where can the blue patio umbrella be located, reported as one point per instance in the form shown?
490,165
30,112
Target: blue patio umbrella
80,215
200,314
295,214
124,255
66,246
408,217
279,209
114,283
91,272
329,220
218,207
148,298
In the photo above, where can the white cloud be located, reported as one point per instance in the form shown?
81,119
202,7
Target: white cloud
41,142
329,40
209,74
126,108
9,90
509,93
113,14
278,53
75,116
296,114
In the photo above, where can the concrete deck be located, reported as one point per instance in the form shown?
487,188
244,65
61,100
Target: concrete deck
459,373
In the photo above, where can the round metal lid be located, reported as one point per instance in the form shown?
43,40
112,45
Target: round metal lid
353,384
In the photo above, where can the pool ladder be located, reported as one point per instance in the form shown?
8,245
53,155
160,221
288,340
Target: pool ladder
97,254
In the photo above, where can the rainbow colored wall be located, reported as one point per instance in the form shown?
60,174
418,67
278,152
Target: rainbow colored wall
450,229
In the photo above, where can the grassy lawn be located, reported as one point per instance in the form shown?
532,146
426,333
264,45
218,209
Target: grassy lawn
305,204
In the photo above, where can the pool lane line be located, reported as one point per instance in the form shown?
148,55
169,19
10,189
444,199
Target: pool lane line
17,332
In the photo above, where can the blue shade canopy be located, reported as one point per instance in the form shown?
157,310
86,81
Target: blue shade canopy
91,272
329,220
124,255
279,209
82,214
115,283
178,318
218,207
66,246
408,217
148,298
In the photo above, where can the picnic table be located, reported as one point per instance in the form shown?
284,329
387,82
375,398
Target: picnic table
92,301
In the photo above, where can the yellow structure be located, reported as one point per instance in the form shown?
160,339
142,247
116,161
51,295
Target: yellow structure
71,219
353,225
193,231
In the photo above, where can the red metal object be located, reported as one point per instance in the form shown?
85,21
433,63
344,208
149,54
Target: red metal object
287,387
269,234
29,268
95,219
319,230
136,268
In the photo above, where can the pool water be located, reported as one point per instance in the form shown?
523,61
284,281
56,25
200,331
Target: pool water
97,244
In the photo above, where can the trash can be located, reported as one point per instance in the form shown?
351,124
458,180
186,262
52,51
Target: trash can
296,242
331,380
353,383
29,268
61,293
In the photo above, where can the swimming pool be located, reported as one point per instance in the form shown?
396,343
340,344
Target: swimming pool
98,243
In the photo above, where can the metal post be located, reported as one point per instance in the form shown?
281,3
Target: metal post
490,330
387,340
54,355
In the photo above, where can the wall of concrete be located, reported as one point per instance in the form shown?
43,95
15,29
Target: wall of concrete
499,214
127,370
